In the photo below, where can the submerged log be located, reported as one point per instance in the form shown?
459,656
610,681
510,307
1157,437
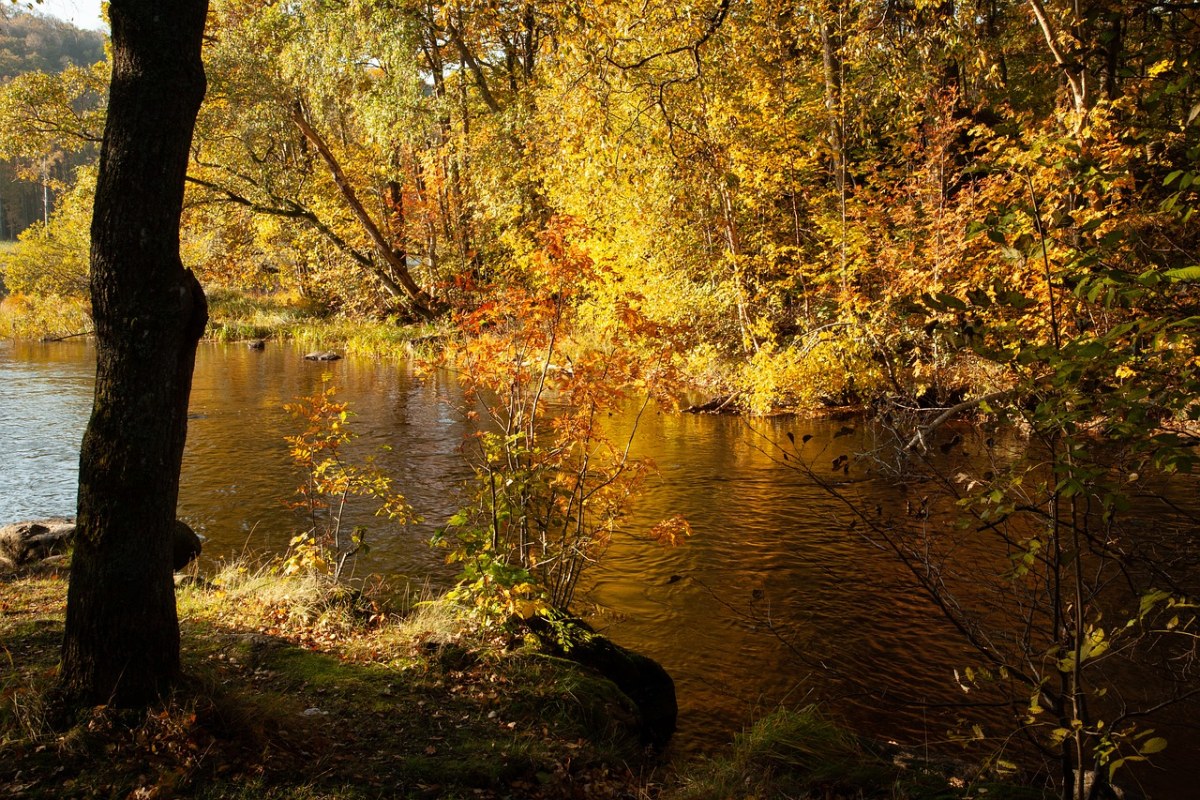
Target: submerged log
721,404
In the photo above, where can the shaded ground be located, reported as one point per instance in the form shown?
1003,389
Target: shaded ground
311,704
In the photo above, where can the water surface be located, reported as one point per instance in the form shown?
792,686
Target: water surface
775,599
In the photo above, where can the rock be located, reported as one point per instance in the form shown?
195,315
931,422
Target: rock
257,344
24,543
185,545
327,355
640,678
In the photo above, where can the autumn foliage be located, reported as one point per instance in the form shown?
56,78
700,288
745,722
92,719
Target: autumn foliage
917,208
552,485
332,482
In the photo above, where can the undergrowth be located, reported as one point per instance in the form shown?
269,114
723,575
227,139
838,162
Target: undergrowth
296,691
238,316
31,317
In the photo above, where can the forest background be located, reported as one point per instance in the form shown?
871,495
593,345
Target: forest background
908,206
827,203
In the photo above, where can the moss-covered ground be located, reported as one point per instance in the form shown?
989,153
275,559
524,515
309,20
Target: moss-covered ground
289,694
293,691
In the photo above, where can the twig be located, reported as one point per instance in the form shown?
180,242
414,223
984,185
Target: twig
941,419
47,339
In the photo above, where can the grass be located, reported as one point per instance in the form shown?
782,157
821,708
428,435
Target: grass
378,339
237,316
296,693
802,754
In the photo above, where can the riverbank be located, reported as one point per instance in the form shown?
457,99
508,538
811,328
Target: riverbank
243,317
294,692
235,317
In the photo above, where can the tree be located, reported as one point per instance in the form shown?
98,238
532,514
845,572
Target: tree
121,644
34,43
47,102
380,149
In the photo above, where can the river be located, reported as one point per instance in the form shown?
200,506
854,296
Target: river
774,599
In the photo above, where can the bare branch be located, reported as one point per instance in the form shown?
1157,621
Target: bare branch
941,419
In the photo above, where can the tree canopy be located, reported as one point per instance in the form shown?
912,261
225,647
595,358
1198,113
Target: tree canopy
861,191
830,187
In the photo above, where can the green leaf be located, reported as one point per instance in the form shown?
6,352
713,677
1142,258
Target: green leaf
1151,746
979,298
1112,238
1018,300
950,301
1150,600
1184,274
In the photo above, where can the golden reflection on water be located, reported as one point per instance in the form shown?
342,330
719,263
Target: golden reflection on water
776,598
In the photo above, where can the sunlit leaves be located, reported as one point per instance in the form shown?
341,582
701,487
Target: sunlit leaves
52,259
46,114
551,487
332,481
671,532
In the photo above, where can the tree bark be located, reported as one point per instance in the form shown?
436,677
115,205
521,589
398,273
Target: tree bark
831,61
121,644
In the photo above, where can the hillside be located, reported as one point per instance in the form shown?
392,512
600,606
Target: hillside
35,43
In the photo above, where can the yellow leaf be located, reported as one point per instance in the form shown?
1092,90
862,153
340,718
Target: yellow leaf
1155,745
1160,68
526,609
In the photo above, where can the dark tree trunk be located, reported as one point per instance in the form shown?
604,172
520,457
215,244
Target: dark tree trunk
121,644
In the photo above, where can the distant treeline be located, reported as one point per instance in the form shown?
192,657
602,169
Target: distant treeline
34,43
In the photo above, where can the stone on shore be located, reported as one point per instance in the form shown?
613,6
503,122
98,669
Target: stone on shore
640,678
25,543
